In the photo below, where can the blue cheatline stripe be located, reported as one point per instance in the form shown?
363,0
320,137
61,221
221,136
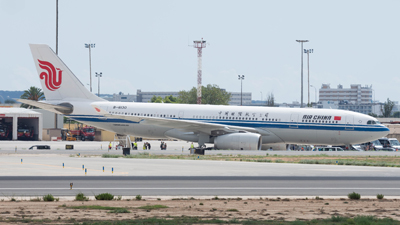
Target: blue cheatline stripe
248,123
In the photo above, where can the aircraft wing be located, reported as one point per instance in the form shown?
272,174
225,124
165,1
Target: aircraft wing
184,125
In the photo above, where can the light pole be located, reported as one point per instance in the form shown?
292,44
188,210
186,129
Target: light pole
261,95
241,78
301,52
315,93
90,46
98,75
308,51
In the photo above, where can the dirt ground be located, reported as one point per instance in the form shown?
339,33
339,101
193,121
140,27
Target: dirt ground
225,209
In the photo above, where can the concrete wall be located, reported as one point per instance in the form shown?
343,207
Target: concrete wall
48,119
51,132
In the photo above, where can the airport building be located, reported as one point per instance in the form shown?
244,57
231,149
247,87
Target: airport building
142,96
356,98
20,124
356,94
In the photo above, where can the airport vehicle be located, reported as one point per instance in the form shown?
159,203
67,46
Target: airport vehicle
4,132
227,127
330,149
395,143
387,146
357,147
66,135
25,133
385,142
83,133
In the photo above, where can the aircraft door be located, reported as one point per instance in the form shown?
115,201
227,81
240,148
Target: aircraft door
180,116
294,118
349,123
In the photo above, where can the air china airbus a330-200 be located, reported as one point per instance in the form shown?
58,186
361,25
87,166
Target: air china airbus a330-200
227,127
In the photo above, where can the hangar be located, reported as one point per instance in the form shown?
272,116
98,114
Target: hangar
20,124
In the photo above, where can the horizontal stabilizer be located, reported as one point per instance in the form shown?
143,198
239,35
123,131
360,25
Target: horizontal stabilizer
63,108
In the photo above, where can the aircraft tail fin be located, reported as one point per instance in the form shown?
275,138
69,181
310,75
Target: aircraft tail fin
57,80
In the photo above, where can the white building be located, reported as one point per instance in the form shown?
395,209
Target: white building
13,118
356,94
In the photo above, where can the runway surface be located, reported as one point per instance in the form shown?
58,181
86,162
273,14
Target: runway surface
200,186
38,172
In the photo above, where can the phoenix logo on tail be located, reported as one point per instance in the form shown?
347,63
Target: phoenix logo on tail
52,80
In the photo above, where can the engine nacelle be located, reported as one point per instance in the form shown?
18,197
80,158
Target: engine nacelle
238,141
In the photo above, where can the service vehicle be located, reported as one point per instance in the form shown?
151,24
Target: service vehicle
83,133
395,143
25,133
330,149
4,132
357,147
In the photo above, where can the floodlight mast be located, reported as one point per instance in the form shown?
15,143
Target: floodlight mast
199,45
301,52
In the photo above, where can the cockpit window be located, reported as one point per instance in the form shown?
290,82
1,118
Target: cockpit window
371,122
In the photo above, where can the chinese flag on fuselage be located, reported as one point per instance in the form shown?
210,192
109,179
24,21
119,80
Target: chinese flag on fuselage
337,118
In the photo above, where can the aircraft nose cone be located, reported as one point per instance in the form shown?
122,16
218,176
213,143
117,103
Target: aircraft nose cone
386,130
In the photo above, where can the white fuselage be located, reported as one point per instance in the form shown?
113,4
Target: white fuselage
288,125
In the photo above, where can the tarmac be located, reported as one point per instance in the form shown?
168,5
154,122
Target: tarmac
27,172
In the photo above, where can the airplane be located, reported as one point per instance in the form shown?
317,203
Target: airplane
227,127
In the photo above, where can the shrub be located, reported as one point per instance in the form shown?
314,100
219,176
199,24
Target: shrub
354,195
81,197
104,196
138,197
338,219
37,199
380,196
48,198
232,210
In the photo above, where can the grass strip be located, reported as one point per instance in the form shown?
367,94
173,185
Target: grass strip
334,220
95,207
150,207
380,161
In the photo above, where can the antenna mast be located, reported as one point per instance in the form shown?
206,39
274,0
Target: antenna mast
199,45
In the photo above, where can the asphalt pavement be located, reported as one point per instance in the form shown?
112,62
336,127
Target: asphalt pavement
199,186
25,172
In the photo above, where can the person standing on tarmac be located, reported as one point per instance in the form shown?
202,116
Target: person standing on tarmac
192,146
148,144
135,146
144,146
109,146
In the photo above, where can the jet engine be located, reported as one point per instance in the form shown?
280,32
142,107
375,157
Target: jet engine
238,141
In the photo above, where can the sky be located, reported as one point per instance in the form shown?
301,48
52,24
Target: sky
146,44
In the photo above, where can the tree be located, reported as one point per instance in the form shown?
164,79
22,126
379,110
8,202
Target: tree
33,93
396,114
9,101
387,108
271,100
373,115
211,94
167,99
